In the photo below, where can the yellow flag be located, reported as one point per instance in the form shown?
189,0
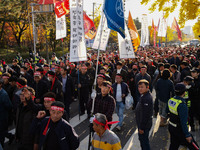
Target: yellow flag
133,33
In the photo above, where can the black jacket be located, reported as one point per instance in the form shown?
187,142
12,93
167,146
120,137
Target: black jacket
66,135
124,90
144,111
151,70
16,70
91,73
6,87
123,73
29,79
194,91
30,71
58,90
24,118
185,72
69,89
44,78
84,81
40,89
37,107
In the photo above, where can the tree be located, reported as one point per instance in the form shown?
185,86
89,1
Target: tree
189,10
196,29
9,10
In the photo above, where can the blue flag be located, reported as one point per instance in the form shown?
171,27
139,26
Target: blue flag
114,12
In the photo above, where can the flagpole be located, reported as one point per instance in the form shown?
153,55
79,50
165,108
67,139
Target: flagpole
79,91
98,50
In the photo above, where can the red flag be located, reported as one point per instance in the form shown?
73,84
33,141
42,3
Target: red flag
175,26
154,39
158,25
44,2
62,8
90,29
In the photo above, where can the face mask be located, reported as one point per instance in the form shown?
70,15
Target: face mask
21,72
48,78
188,86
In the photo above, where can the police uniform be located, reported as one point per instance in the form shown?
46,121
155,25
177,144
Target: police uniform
36,60
178,129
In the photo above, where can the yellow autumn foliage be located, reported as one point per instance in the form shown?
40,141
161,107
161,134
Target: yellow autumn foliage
189,10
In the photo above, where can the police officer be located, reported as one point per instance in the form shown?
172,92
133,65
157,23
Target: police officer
178,113
36,58
19,59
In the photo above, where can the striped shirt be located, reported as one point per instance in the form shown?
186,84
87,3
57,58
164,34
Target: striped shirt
108,141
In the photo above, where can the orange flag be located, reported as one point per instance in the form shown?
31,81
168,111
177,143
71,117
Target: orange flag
133,33
152,28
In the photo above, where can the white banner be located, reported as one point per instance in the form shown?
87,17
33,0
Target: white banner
125,45
144,31
77,38
162,28
61,27
105,34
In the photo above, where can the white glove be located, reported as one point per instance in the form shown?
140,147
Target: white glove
91,119
93,95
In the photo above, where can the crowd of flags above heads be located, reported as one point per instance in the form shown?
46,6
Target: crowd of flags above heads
115,21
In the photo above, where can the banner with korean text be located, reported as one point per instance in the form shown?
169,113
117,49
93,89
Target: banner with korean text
125,45
105,31
77,37
61,27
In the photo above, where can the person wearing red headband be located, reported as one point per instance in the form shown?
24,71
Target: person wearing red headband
84,90
103,137
55,132
100,79
104,103
29,70
56,86
120,91
57,71
21,83
44,75
103,70
40,87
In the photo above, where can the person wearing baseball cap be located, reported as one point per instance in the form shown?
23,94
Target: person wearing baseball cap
55,132
178,114
100,79
40,87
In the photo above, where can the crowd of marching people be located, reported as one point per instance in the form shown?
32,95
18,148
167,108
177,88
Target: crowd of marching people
36,97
